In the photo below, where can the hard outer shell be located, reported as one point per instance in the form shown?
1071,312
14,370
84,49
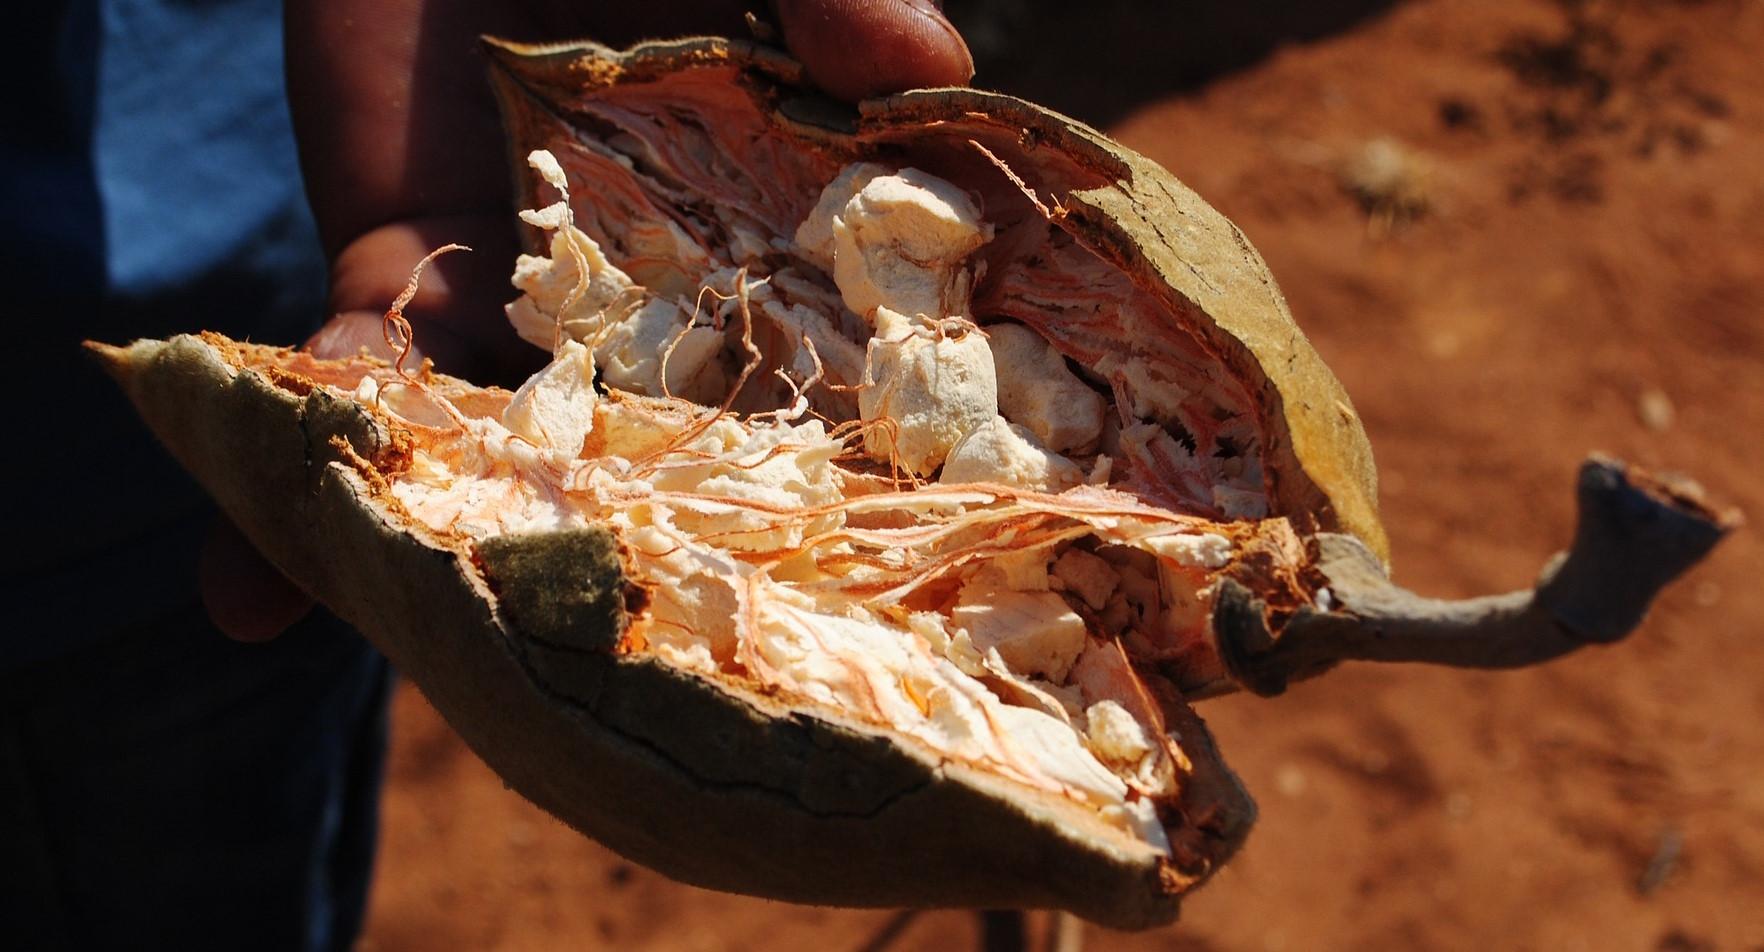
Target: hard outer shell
724,789
1137,216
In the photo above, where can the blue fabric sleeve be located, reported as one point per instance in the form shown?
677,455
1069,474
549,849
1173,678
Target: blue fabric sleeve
151,188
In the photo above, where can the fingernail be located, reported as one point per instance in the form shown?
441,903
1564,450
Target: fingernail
933,10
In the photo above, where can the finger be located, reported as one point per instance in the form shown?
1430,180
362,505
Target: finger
392,112
856,49
246,598
457,314
353,332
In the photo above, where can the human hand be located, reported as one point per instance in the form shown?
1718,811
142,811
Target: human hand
402,152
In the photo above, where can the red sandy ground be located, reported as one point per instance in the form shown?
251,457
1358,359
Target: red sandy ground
1592,240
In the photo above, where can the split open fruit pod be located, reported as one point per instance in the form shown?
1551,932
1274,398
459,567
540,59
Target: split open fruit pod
898,478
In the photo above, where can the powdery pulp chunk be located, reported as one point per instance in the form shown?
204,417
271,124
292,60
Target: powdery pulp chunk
493,484
555,407
693,606
797,336
1142,818
629,340
1024,571
1037,391
783,466
1203,550
841,360
1034,632
935,388
578,291
814,237
629,427
863,666
632,350
898,241
999,451
1134,603
1057,751
547,283
1115,736
1086,576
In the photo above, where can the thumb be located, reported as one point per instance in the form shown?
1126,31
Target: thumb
856,49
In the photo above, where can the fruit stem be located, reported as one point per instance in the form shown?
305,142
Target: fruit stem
1635,534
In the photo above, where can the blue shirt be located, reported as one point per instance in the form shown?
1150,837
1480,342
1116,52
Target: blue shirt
148,186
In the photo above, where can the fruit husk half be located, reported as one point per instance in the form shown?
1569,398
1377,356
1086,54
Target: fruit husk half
510,640
1208,280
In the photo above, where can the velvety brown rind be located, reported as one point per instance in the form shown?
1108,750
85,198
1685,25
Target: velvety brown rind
698,779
